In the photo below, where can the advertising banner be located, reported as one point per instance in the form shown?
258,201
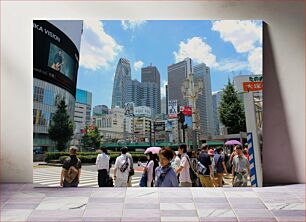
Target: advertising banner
159,126
55,57
172,108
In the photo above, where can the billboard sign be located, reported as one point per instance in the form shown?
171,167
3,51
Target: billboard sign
142,111
172,108
187,110
159,126
55,56
252,86
129,109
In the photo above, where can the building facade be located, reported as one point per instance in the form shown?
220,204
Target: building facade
134,92
177,73
216,96
204,102
100,110
55,68
150,78
111,126
122,75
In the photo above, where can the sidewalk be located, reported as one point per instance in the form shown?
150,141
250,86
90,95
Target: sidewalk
22,202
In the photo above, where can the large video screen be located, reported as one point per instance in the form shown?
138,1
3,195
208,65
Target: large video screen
56,58
60,61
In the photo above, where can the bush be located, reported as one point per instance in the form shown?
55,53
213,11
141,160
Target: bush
90,157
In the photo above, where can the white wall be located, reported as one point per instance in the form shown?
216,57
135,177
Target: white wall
284,72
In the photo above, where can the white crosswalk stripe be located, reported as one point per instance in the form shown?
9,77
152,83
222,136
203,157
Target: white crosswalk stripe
50,177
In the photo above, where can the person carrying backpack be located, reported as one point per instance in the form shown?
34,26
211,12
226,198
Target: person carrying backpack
71,171
122,168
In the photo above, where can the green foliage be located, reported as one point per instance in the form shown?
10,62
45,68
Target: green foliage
90,157
61,128
231,110
92,138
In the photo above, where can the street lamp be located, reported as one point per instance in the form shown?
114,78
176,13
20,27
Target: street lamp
191,90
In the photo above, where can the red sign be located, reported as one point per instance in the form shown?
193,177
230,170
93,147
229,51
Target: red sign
187,110
252,86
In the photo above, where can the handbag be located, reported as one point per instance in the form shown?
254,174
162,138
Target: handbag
131,172
143,180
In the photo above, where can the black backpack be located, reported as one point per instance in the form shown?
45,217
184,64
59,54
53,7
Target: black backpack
193,175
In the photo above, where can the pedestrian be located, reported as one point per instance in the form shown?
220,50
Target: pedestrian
220,165
165,174
122,168
246,151
131,172
183,169
102,165
204,158
176,161
241,168
149,168
71,170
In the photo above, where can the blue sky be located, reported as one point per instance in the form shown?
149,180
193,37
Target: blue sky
228,47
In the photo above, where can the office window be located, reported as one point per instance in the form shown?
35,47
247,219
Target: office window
38,94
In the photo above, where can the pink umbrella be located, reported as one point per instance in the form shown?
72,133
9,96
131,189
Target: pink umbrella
154,150
232,142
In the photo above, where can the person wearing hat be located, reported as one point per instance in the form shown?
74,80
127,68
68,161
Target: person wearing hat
241,168
220,165
206,179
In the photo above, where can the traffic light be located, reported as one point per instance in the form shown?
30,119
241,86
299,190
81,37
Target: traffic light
181,117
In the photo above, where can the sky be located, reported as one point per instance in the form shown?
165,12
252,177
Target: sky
228,47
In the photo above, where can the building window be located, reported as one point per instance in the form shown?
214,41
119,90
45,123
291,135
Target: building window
48,97
38,94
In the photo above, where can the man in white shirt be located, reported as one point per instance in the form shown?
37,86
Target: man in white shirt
183,170
102,165
122,168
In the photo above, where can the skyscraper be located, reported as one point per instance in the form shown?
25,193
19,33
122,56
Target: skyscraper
177,73
216,96
123,73
150,78
134,92
204,102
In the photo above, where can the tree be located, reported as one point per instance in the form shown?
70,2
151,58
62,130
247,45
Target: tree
61,127
231,110
92,138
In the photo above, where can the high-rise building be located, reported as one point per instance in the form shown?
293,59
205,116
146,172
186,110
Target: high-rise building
150,78
55,68
151,97
167,98
100,110
134,92
216,96
82,114
204,102
84,97
177,73
122,75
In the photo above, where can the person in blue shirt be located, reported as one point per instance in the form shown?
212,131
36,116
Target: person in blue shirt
165,175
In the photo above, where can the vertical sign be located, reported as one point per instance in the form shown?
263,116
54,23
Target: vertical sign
172,108
253,175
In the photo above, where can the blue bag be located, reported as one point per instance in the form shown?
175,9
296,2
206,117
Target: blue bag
143,180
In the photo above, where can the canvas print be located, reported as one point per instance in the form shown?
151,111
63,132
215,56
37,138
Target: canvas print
147,103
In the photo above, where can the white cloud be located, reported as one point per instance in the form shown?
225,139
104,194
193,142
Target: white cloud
229,65
132,24
242,34
196,49
163,88
98,49
138,65
255,61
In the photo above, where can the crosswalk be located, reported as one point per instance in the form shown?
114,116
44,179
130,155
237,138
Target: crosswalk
50,177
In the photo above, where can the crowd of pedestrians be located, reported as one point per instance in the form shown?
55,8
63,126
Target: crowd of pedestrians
165,168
